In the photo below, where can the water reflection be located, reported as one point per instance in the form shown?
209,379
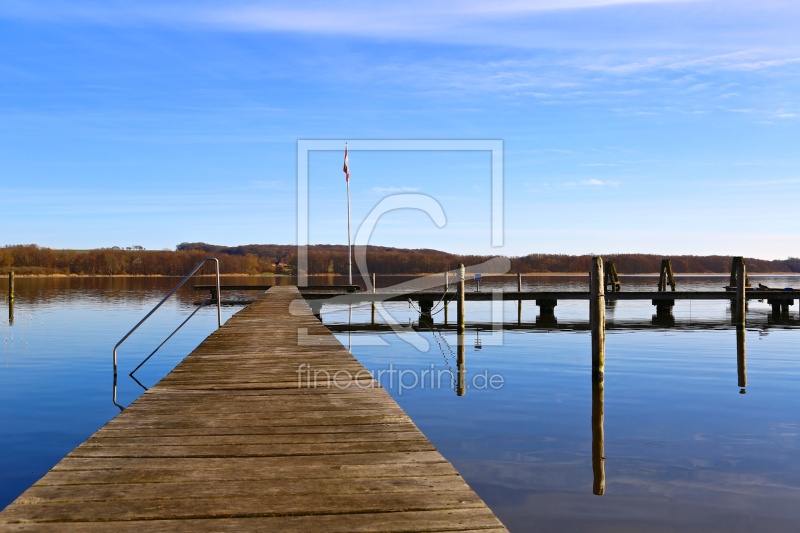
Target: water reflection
461,365
598,347
741,363
598,439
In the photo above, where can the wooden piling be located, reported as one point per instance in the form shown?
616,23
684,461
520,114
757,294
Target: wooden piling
741,274
597,317
460,309
611,279
736,262
519,302
666,276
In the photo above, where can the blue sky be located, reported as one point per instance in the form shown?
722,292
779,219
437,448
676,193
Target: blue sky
667,127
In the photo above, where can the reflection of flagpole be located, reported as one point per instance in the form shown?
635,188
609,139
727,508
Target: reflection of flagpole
346,171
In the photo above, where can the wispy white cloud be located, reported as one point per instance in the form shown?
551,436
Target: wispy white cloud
393,190
515,23
587,183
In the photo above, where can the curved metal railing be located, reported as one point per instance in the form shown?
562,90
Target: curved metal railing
153,310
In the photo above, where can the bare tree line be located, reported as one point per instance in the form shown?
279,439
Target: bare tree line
260,259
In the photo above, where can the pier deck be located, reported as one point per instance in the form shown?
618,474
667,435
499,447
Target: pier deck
237,438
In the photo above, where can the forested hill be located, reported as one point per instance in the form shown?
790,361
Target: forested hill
255,259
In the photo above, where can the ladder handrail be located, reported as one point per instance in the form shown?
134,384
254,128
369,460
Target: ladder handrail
159,304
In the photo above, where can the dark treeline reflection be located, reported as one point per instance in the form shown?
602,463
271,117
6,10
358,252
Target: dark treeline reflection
63,289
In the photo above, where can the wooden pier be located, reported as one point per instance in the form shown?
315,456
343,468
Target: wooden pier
269,425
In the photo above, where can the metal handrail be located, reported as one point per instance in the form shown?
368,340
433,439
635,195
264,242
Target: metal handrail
153,310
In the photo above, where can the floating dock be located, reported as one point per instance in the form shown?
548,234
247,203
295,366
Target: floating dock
269,425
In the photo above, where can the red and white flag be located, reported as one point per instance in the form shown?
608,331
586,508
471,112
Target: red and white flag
346,170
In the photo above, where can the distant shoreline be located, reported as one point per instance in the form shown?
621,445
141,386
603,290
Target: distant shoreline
289,276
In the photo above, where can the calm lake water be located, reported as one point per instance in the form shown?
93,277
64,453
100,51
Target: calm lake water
686,447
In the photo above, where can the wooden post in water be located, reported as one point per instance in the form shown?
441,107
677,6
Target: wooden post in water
741,359
460,308
519,302
666,276
611,278
597,318
735,264
741,274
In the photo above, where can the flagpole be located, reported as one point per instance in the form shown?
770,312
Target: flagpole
349,252
346,170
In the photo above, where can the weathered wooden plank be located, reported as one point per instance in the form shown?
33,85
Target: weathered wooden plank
355,431
223,506
233,439
251,450
239,488
173,470
128,439
402,521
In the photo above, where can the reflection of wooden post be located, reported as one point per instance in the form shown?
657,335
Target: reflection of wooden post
740,292
460,309
519,302
598,439
597,317
11,298
374,289
446,301
741,360
461,388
